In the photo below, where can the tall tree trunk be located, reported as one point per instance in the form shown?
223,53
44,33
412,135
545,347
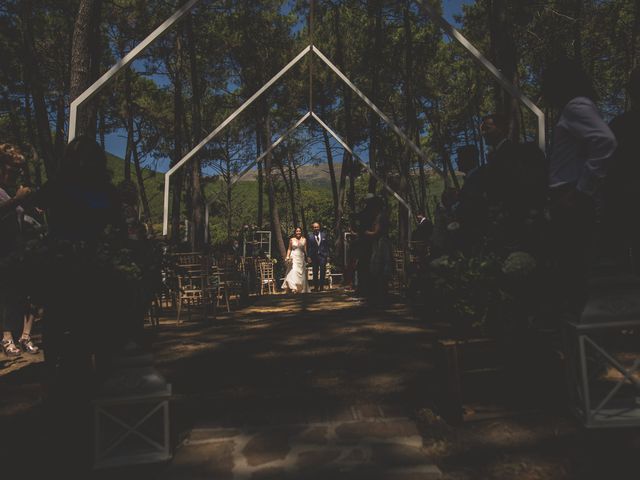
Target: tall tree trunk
411,126
332,173
61,116
197,196
634,53
300,197
82,47
347,161
260,219
503,48
102,128
288,183
34,87
144,199
128,124
177,178
423,176
31,136
274,211
229,198
375,140
16,132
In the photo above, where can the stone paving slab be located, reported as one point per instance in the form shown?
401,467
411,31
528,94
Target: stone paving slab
362,445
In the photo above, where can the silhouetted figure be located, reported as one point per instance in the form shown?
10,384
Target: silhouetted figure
361,246
622,193
468,159
582,146
446,235
516,182
500,198
380,261
424,229
84,299
13,295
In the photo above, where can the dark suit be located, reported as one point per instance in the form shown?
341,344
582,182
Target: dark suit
508,188
423,231
318,255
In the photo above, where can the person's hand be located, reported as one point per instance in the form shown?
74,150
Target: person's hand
22,193
308,259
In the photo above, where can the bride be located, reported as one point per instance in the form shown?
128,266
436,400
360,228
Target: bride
296,280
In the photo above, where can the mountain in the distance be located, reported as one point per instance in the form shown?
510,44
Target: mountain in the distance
317,175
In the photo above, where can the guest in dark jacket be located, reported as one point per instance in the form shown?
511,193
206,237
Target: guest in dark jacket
622,195
582,146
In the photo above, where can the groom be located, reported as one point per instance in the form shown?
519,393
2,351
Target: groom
318,251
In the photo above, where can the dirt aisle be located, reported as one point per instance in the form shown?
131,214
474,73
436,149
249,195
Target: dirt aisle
312,386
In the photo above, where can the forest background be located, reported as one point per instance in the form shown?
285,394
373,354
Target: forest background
213,59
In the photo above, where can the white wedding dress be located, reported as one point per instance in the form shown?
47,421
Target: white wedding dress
296,279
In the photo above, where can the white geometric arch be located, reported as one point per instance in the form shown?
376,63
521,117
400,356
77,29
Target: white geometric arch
344,145
309,49
188,5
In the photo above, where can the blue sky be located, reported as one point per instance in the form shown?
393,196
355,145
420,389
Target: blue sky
116,142
453,7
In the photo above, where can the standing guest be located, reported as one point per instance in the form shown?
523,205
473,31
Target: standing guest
82,317
445,238
423,230
581,148
380,264
128,196
318,248
622,195
468,159
84,323
513,181
13,312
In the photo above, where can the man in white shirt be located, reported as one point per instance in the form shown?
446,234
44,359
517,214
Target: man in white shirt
580,151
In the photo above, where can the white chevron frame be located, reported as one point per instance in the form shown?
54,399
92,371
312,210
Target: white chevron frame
272,81
91,91
344,145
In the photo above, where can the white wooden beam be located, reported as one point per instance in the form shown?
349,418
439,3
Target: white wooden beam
120,64
490,67
208,138
373,107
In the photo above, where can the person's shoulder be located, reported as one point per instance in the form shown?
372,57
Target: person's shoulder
580,106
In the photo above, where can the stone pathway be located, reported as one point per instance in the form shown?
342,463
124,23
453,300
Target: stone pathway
299,387
365,442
